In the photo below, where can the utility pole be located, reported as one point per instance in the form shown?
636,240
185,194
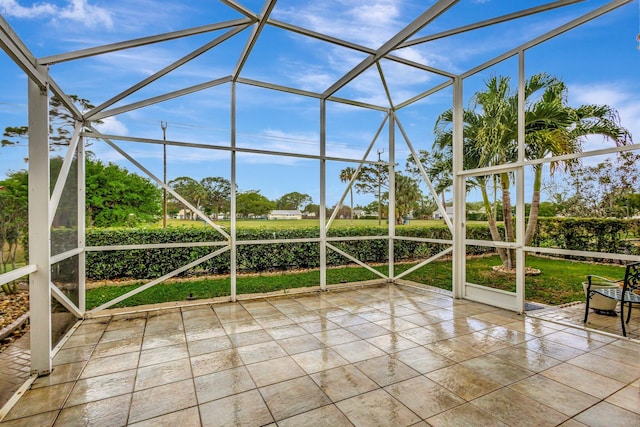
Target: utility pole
163,126
379,187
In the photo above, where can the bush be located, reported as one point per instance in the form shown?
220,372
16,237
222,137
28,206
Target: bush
153,263
610,235
603,235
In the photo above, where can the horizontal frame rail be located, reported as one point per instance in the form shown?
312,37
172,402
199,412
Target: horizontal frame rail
154,246
17,273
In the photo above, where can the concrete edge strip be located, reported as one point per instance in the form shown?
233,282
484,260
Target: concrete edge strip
8,330
16,396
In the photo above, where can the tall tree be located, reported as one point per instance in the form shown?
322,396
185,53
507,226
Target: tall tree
253,203
374,180
346,175
408,196
607,189
191,190
61,124
293,200
117,197
14,192
218,194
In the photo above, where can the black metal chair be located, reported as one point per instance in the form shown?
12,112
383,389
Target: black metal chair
629,294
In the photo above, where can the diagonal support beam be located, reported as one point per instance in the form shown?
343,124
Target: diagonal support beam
423,172
602,10
489,22
65,301
384,85
424,94
160,279
356,260
161,184
166,70
20,54
356,47
423,263
64,172
420,22
240,8
114,47
357,172
253,38
157,99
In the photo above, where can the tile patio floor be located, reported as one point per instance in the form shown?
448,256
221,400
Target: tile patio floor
385,355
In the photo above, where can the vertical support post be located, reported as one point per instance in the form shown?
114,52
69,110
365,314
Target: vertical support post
39,231
459,194
520,220
81,170
163,126
392,193
233,232
323,195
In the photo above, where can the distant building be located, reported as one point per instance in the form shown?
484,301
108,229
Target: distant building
359,213
285,214
438,215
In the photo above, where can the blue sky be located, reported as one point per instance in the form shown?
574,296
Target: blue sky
598,61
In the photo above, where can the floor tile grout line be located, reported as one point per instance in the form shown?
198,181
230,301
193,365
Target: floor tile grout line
135,377
193,378
75,382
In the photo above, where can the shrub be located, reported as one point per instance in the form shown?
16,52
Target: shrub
603,235
609,235
152,263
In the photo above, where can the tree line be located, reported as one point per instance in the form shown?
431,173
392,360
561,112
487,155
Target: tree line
212,195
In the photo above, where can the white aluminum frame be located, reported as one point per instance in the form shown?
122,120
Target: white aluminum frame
43,207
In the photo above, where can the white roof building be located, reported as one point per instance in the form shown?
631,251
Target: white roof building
285,214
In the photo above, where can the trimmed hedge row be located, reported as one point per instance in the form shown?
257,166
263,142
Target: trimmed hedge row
151,263
609,235
603,235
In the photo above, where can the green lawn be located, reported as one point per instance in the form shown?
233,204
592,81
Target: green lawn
559,282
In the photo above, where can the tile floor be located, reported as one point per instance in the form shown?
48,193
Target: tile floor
370,356
574,314
15,367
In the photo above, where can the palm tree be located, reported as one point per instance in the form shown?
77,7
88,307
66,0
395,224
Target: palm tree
572,125
346,175
552,127
473,157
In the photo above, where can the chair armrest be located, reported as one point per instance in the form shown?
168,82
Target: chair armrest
598,279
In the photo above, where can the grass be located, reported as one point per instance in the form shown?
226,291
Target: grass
559,282
211,288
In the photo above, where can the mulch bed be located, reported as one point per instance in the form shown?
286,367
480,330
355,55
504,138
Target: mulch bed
12,307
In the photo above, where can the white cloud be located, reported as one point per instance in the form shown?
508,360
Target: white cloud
79,11
12,8
365,22
619,95
112,126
